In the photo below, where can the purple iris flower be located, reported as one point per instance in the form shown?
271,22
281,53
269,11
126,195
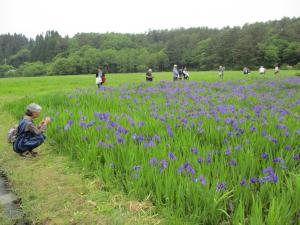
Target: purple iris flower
202,180
274,140
134,136
151,144
268,170
172,156
188,168
229,134
170,133
68,125
253,128
208,159
156,137
265,179
221,186
153,161
238,147
296,157
287,148
243,182
253,180
277,159
228,151
264,133
232,162
141,124
140,137
179,170
164,164
194,150
264,155
121,140
287,134
131,122
280,126
200,160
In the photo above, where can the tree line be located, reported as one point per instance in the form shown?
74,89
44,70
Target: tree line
252,45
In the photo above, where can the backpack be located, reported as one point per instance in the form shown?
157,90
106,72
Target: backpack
12,134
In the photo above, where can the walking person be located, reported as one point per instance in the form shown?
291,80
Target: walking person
99,75
276,70
149,76
186,75
28,135
175,73
221,71
262,70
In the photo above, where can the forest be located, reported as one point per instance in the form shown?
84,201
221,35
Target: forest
202,48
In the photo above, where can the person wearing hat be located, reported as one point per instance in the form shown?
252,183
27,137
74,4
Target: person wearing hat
149,76
30,136
175,73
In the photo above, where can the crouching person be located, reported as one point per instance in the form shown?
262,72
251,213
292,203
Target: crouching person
28,135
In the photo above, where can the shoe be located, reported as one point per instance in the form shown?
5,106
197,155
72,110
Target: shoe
33,154
26,154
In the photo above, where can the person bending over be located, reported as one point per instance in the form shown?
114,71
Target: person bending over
30,136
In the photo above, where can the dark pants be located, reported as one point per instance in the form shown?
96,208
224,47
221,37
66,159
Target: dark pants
149,78
24,145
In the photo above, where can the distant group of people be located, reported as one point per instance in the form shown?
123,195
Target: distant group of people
246,70
181,73
178,74
262,70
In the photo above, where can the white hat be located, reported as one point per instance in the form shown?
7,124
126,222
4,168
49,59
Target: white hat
33,107
175,65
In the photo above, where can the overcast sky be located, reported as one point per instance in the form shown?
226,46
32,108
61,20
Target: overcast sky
68,17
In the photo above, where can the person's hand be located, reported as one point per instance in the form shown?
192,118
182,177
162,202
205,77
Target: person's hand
46,120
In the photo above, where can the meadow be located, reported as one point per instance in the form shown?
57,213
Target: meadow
203,151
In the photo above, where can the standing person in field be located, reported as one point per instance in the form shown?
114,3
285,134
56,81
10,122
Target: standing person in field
28,135
149,76
276,70
99,75
103,79
186,75
221,71
175,73
262,70
245,70
180,73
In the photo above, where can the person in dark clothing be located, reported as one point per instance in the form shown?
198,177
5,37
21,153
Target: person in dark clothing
28,135
103,79
149,76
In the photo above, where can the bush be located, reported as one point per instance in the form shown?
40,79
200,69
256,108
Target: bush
286,67
32,69
4,69
297,66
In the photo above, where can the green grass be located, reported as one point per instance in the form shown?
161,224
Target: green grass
177,197
29,86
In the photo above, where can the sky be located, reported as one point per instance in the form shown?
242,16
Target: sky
68,17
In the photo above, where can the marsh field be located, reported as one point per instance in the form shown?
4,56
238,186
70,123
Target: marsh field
201,151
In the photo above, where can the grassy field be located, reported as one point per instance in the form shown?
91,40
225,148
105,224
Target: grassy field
206,151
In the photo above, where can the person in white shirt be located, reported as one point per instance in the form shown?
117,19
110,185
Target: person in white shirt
276,70
262,70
